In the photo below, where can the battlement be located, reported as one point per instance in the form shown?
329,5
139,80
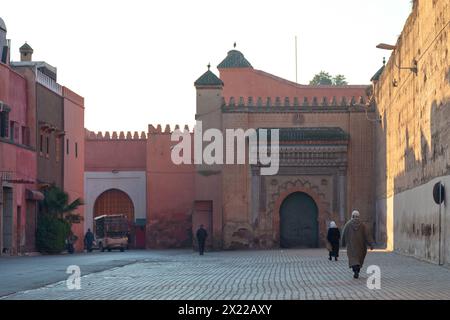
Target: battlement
167,129
114,135
293,103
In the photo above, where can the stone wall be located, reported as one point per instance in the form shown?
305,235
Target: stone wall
170,194
413,101
247,224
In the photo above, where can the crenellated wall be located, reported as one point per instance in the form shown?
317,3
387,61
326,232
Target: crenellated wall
222,197
168,188
115,151
293,103
249,223
170,193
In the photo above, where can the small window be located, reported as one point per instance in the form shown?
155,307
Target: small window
11,130
57,148
76,150
17,132
67,146
41,143
4,122
48,145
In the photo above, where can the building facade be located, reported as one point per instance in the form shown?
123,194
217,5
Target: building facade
41,144
326,161
18,164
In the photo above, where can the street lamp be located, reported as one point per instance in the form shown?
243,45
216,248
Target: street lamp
386,46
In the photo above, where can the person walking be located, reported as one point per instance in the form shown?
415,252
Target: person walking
333,237
356,238
202,234
70,241
89,240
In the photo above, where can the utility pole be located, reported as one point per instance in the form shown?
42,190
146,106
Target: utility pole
296,63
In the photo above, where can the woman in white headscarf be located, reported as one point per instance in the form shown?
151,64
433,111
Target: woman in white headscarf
333,237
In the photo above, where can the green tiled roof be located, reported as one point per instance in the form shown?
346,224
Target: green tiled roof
304,134
234,59
377,75
2,25
208,79
26,48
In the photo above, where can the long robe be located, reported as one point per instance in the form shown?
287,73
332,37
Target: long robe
333,237
356,238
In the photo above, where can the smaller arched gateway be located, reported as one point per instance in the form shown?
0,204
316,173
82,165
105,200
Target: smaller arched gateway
118,192
115,201
299,226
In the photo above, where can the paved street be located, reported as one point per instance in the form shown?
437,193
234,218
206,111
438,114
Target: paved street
255,275
24,273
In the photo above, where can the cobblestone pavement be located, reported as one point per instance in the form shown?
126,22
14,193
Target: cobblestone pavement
255,275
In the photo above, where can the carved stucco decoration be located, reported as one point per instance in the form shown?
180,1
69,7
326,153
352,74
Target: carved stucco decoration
300,185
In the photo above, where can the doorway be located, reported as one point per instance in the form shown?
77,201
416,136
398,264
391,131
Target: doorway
7,221
298,222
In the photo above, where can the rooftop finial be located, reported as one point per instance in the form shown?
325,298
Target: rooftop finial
209,65
234,45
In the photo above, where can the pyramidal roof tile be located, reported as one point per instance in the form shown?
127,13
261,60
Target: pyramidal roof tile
234,59
208,79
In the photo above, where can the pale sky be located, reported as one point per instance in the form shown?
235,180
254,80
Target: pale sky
135,61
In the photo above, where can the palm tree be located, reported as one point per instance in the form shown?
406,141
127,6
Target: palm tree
56,204
55,221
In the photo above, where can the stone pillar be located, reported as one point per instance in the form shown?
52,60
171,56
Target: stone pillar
256,180
342,194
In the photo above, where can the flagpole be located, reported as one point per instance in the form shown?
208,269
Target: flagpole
296,63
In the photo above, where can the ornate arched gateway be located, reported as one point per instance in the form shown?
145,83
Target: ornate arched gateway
295,206
299,221
300,208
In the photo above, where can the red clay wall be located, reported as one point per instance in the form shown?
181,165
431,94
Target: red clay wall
74,156
170,196
18,160
121,153
248,82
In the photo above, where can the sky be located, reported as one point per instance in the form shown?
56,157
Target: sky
135,61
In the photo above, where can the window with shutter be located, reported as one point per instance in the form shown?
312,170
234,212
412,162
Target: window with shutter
4,124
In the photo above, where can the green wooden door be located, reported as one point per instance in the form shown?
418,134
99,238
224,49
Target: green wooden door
298,222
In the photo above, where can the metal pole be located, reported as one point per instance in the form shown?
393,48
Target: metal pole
440,228
296,69
440,224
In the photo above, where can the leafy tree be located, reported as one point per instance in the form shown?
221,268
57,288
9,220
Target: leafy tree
339,80
323,78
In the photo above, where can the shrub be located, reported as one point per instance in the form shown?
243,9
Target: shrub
51,234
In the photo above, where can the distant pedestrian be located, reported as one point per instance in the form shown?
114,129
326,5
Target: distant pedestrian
70,241
357,239
202,234
334,237
89,240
